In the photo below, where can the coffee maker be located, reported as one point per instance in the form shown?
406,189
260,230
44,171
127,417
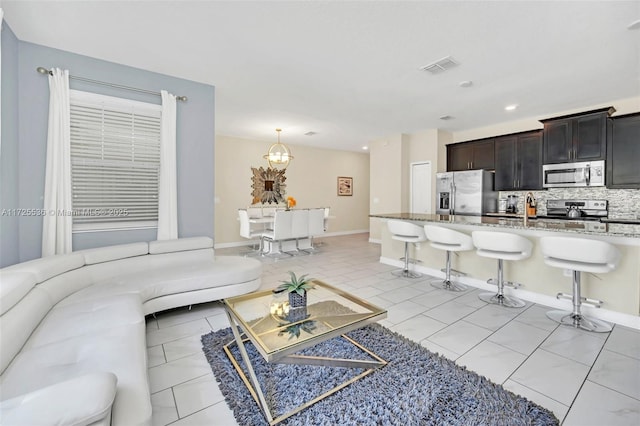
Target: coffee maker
512,204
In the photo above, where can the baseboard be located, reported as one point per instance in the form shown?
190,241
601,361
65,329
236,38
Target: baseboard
375,241
626,320
236,244
336,234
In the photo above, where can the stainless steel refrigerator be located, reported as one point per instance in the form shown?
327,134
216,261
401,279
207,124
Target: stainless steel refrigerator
467,193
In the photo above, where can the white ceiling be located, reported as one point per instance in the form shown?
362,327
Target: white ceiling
350,70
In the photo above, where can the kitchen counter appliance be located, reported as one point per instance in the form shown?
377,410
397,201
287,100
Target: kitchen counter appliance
577,209
589,173
467,193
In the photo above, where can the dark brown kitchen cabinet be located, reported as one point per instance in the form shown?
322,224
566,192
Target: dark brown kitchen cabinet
518,161
623,152
576,137
471,155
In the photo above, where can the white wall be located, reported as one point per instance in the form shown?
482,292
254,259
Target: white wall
311,179
386,172
391,159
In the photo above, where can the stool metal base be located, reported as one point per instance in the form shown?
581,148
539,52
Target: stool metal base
580,321
502,300
448,285
405,273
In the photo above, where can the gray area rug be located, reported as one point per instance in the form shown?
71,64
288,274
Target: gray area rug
417,387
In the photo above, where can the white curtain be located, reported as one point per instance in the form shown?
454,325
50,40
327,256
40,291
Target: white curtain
57,223
168,192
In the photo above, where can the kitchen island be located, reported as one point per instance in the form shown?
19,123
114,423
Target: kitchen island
620,289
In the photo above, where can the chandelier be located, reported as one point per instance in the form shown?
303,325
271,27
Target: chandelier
279,154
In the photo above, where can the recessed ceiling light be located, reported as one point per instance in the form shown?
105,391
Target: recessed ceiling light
510,107
446,117
365,148
466,83
634,25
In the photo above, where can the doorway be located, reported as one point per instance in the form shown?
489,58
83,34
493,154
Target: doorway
420,187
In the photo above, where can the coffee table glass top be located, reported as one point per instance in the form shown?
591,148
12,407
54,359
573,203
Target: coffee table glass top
277,333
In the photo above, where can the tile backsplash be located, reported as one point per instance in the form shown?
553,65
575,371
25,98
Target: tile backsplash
623,203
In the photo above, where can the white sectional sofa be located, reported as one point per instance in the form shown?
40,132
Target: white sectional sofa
72,327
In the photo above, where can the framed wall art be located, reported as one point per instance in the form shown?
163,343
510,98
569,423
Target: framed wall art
345,185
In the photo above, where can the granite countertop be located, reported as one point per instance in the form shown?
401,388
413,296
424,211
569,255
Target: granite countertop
534,224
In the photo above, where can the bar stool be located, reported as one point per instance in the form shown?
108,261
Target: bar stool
579,255
501,246
408,233
451,241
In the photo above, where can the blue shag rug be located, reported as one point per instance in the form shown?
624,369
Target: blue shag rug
417,387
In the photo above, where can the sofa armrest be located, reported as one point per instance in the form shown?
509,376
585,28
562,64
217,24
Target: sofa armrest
83,400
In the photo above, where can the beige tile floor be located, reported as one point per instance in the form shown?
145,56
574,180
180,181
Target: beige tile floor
585,378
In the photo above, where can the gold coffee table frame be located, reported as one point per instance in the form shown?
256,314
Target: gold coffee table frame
265,333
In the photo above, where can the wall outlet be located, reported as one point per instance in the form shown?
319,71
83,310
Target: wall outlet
567,272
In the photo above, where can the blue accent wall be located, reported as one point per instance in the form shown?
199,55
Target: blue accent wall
195,142
9,236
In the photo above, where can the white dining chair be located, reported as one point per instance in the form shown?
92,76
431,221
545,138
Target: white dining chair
299,227
282,231
316,228
268,211
247,232
254,212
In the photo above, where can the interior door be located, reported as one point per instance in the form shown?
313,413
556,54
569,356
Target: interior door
421,187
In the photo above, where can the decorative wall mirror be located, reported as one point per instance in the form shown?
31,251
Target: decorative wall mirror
268,186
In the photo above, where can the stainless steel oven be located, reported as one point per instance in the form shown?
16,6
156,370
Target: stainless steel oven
588,173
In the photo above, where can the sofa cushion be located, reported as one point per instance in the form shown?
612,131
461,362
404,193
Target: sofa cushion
185,277
106,254
180,244
83,400
14,285
50,266
120,350
17,324
86,318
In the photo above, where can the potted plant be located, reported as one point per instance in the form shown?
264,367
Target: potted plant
297,288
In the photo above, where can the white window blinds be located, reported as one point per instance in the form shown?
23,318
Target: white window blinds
115,162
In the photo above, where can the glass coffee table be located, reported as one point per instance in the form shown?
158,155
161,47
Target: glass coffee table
266,322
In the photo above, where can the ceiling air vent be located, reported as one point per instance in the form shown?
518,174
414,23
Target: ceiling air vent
440,65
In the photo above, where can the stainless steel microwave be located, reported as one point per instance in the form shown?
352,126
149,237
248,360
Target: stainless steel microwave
588,173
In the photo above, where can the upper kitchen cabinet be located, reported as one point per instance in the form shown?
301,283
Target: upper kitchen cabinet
518,161
576,137
470,155
623,152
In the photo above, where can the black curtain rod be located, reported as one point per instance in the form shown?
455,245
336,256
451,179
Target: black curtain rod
43,70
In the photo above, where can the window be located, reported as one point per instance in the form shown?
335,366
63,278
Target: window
115,162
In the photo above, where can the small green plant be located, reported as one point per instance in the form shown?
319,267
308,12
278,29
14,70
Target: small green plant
295,284
295,329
